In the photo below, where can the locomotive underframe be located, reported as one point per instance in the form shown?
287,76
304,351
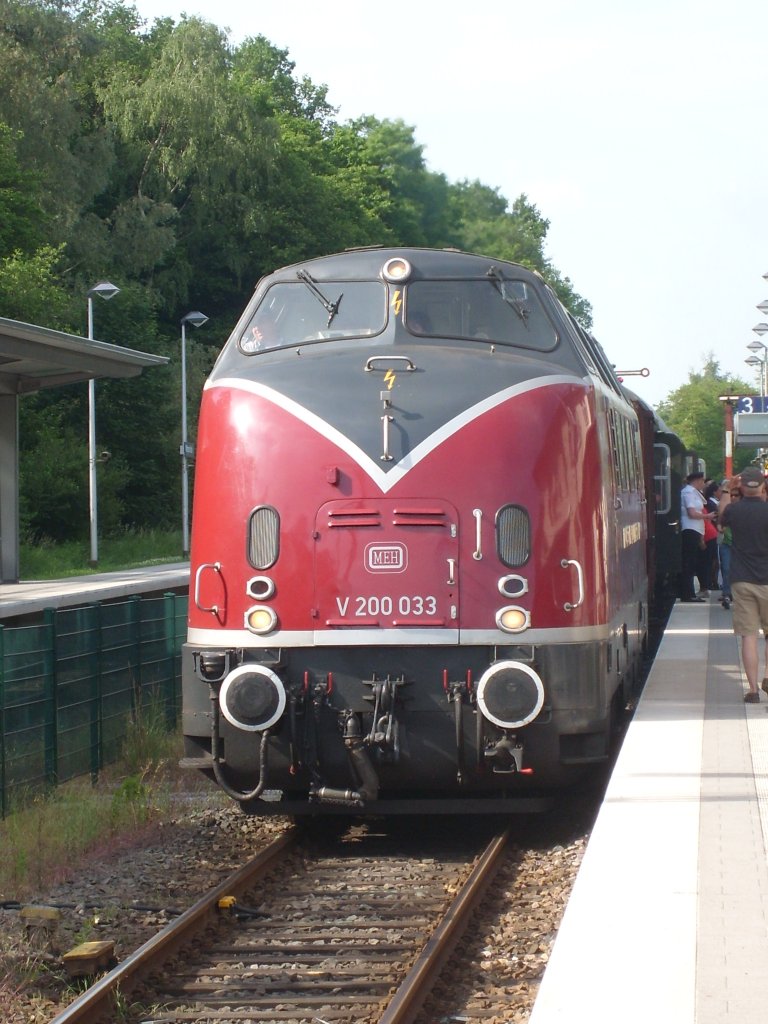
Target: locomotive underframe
431,729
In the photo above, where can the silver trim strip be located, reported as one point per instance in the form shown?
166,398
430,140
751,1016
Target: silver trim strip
386,480
565,635
200,637
387,637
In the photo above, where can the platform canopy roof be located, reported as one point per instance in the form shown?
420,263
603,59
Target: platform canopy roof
33,357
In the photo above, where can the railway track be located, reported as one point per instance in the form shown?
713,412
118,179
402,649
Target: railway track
355,931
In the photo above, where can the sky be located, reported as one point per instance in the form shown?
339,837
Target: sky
638,128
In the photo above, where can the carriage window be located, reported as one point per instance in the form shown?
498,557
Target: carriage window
494,309
662,478
635,447
306,311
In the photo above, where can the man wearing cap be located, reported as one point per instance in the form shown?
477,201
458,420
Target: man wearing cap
748,522
692,515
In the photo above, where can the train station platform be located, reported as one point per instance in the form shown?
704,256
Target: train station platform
33,596
668,919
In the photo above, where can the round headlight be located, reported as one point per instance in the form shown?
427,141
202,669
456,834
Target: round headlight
513,619
510,694
396,270
260,619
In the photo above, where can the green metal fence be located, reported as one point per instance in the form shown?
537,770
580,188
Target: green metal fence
69,685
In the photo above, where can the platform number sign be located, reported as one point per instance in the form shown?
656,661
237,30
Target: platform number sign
752,403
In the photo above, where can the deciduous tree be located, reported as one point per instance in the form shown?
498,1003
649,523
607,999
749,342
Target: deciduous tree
695,412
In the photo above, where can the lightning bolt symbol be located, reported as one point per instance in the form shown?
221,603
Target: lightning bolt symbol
397,301
389,379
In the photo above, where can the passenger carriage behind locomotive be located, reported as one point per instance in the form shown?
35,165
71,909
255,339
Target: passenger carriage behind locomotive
418,573
665,465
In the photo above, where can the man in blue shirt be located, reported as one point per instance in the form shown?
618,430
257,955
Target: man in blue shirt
693,514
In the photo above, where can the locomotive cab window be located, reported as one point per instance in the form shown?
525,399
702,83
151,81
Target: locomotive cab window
307,311
505,312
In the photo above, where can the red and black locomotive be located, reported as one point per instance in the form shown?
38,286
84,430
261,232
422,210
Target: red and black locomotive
419,544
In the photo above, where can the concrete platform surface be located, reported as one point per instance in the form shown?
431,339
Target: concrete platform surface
33,596
668,919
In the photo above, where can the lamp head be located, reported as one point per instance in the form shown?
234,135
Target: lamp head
104,289
196,319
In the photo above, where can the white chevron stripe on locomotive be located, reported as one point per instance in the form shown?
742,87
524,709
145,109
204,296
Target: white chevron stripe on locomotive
386,479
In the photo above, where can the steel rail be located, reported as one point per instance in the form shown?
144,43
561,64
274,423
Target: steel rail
417,984
98,1002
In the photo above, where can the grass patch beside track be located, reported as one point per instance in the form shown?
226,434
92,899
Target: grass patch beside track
132,549
48,836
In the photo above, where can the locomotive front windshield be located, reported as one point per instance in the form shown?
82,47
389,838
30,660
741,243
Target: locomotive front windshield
304,311
490,308
504,312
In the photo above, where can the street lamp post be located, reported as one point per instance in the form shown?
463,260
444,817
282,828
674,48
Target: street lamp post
196,319
104,290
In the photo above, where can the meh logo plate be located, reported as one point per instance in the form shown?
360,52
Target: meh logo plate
386,557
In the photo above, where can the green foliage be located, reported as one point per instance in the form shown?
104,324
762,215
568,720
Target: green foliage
54,473
40,835
695,412
485,224
148,741
410,201
265,74
21,215
131,798
30,289
44,559
46,57
48,835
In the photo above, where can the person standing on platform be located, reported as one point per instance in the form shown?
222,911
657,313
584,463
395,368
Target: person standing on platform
712,493
730,488
748,523
693,517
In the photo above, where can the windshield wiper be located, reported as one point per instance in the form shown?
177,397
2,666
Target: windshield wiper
332,308
495,276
